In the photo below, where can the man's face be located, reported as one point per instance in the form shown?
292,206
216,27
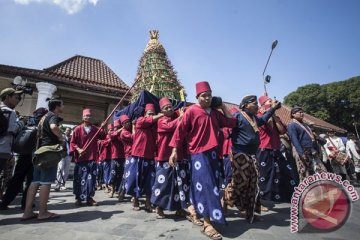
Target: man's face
87,118
299,115
67,132
13,100
252,107
204,99
149,113
268,102
168,110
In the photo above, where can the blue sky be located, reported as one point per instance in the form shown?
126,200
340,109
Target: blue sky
224,42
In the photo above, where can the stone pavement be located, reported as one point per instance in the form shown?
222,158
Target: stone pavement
114,220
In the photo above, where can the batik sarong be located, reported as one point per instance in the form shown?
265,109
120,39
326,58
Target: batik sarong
116,173
171,187
276,180
308,167
107,171
243,191
204,191
227,171
100,173
84,180
140,177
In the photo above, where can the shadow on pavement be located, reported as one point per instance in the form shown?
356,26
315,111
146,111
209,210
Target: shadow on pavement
81,216
237,226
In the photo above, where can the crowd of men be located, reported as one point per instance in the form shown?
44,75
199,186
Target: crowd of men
195,161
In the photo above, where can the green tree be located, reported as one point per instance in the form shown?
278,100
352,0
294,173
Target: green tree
312,98
155,72
334,102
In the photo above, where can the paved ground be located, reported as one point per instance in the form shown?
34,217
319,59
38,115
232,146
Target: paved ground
113,220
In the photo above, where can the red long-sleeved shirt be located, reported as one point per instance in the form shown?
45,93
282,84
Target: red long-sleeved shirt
200,128
79,140
165,130
117,147
127,140
144,144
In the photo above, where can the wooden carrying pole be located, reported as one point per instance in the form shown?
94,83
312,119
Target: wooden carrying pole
108,117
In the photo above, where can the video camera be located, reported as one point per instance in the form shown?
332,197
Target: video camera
20,84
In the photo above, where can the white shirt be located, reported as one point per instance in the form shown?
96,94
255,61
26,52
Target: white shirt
351,150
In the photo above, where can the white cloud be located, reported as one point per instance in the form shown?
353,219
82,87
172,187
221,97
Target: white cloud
70,6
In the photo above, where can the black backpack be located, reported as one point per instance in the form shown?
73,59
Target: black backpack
4,122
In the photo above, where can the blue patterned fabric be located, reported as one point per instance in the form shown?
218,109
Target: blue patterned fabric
116,173
204,191
84,180
100,173
227,170
140,177
171,187
276,182
107,171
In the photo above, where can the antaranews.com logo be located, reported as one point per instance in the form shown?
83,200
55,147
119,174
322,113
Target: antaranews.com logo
321,203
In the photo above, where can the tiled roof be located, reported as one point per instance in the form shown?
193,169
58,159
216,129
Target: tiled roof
284,114
78,71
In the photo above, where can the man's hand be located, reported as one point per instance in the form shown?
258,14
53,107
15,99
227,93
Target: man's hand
276,105
103,124
80,151
181,112
173,158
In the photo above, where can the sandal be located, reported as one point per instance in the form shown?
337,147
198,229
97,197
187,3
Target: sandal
195,220
136,205
181,213
149,209
160,213
210,232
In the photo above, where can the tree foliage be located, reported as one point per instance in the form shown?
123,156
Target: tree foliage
334,102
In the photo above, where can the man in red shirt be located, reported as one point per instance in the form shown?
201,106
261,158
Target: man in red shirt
85,161
126,138
103,154
200,126
117,159
171,185
142,165
107,162
275,181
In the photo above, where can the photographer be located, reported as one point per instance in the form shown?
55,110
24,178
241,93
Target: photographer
24,166
10,126
43,177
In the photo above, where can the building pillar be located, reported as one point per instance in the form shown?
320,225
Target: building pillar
45,90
